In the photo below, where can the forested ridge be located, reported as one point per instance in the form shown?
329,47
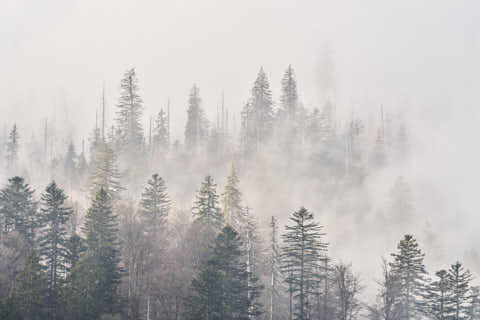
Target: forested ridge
129,223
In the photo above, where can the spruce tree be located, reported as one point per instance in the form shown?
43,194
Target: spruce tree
302,256
54,215
18,209
206,210
29,294
289,97
154,204
474,308
129,115
12,147
232,201
161,135
409,269
196,129
104,173
438,297
458,280
257,115
222,289
95,280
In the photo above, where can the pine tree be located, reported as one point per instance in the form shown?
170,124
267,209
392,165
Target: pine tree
54,215
104,173
95,280
18,209
409,269
155,204
257,115
29,295
129,114
221,290
206,210
458,280
196,128
232,201
75,246
161,135
439,297
289,97
12,147
302,256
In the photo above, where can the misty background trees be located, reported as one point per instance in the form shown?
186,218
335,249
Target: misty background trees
137,226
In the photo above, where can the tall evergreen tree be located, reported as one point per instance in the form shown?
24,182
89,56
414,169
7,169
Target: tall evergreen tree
129,114
95,280
439,297
104,173
409,269
289,97
232,201
257,114
196,129
54,215
302,256
155,204
18,209
274,272
221,290
474,308
458,281
29,294
206,209
12,147
161,134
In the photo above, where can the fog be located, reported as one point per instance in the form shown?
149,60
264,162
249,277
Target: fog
419,59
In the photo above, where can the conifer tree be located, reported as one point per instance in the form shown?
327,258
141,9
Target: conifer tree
439,297
274,272
154,204
289,97
29,295
221,289
474,308
12,147
54,215
458,280
232,201
129,114
409,269
206,209
387,307
196,129
95,280
257,115
302,255
161,135
18,209
104,173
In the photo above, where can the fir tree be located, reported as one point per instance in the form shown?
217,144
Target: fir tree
29,295
12,147
104,173
18,209
274,271
196,128
54,215
439,297
458,281
155,204
409,269
95,280
221,290
474,308
75,246
206,210
257,115
232,201
289,97
161,135
302,255
129,114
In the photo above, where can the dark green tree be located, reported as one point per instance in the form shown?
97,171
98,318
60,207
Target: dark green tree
154,205
458,280
302,255
54,215
18,209
438,297
222,289
206,210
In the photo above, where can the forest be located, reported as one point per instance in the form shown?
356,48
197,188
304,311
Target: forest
247,217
